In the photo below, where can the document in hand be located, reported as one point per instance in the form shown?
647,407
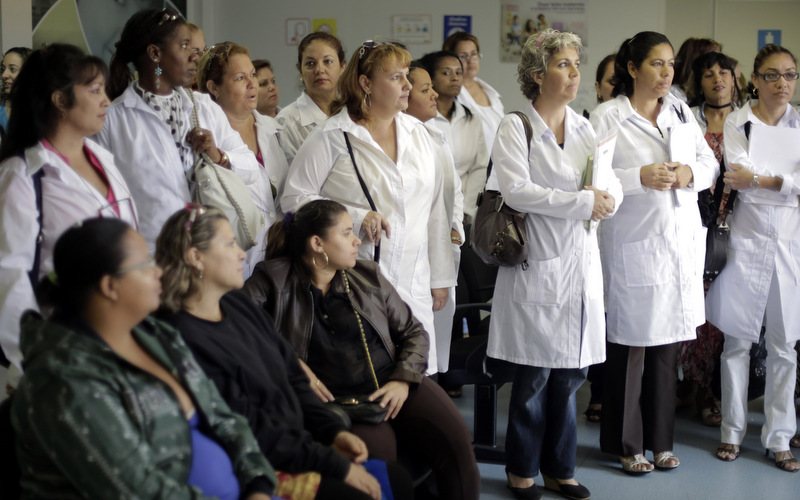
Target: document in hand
773,151
598,167
683,149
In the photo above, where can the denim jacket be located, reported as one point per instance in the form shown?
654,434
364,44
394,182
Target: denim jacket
91,425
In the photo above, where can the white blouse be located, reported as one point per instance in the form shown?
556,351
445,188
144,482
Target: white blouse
298,119
490,115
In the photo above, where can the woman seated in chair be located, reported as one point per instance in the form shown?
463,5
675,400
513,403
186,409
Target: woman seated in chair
112,404
354,331
254,368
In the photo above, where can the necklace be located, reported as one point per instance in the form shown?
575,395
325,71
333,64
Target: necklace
361,329
722,106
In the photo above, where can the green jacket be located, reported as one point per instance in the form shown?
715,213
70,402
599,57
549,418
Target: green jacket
91,425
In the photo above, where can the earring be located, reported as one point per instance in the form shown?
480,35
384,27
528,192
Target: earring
755,92
368,105
158,75
599,97
314,262
200,276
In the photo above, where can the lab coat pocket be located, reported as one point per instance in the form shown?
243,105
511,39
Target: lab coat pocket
646,262
742,259
540,284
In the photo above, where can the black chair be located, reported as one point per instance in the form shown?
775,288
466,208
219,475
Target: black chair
9,467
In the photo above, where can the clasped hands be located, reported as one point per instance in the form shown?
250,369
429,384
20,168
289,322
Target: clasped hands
666,176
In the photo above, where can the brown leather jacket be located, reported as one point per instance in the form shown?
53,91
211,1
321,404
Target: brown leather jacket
283,290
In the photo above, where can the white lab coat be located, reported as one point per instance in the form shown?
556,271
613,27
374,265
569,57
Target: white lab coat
67,198
550,314
409,194
765,241
146,155
654,248
453,204
273,173
467,143
298,119
490,115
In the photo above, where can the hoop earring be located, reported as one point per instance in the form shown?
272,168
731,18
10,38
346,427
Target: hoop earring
368,105
158,72
314,262
755,92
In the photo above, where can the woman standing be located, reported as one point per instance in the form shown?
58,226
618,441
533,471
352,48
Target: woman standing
12,63
711,93
51,175
229,77
113,405
476,94
148,126
653,252
464,131
548,318
320,61
354,331
396,161
268,92
759,283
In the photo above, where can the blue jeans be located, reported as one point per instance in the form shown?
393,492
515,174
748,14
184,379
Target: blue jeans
542,429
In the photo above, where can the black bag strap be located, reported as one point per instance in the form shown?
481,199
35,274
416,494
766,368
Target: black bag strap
528,135
679,111
726,209
33,274
377,255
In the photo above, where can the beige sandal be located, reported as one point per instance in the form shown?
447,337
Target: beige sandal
665,460
633,465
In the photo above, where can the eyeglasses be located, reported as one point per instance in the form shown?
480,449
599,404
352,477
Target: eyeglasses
194,210
465,58
200,52
215,51
774,77
150,263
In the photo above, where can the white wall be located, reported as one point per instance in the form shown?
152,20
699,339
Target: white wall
260,26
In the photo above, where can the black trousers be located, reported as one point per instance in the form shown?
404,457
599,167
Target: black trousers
639,399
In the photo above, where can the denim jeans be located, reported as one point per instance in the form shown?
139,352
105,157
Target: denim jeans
542,429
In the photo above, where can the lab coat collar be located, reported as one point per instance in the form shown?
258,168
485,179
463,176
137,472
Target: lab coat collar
37,156
131,99
789,118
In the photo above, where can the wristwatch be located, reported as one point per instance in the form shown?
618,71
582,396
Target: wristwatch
754,182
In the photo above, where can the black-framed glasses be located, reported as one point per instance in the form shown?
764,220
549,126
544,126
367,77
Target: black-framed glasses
150,263
218,49
194,210
774,77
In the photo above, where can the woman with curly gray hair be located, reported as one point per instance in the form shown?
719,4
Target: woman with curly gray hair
547,317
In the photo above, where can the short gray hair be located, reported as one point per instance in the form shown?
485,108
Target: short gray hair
537,53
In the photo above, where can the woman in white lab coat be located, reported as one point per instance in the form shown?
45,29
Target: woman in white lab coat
547,317
760,280
59,100
653,251
148,126
395,158
320,61
227,74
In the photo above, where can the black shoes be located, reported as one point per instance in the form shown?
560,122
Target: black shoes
571,491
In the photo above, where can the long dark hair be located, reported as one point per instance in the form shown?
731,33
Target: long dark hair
57,68
22,52
601,70
430,62
84,254
288,237
635,50
703,63
691,49
146,27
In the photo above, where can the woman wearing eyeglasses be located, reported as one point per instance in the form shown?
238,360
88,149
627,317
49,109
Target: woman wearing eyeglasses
113,404
148,128
476,93
759,283
51,174
407,230
227,74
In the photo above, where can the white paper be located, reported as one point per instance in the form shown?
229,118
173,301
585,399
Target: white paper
682,149
601,168
773,151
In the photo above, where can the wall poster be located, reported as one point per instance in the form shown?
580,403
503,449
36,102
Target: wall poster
521,19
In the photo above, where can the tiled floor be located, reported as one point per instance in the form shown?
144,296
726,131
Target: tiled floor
700,476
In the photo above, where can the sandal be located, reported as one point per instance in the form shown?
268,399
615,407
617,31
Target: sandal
635,465
711,416
593,414
665,460
795,442
731,449
784,463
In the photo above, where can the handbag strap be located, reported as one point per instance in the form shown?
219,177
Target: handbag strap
360,328
725,209
377,255
33,274
528,135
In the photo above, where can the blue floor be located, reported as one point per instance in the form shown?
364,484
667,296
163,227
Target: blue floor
700,475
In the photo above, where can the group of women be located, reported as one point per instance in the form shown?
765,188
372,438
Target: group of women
341,292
